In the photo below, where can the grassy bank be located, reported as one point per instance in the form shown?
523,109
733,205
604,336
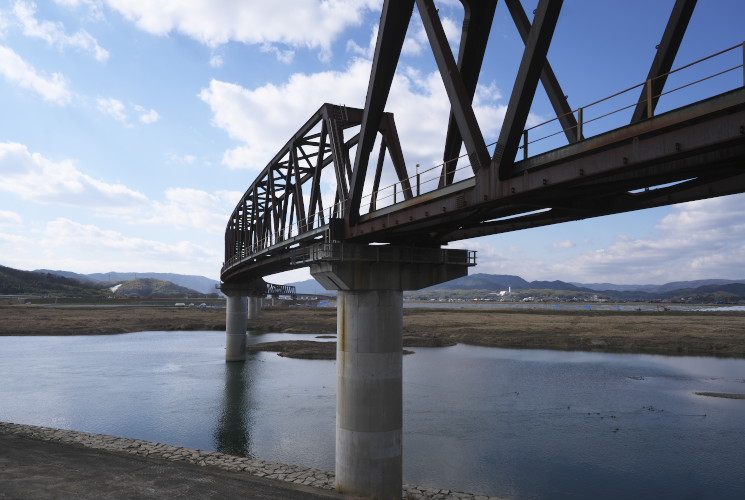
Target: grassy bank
653,332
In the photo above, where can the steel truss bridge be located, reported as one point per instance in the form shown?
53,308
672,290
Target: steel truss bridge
322,186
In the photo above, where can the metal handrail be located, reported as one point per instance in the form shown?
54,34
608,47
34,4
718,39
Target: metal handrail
318,221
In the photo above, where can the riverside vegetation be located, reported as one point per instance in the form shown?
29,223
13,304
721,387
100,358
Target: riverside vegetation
650,332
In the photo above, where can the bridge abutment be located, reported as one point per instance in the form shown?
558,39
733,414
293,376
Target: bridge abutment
369,418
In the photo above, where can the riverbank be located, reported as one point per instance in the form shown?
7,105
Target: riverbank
170,470
105,320
647,332
691,333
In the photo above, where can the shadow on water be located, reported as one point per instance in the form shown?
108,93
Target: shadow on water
232,435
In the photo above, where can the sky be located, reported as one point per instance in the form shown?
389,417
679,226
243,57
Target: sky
131,128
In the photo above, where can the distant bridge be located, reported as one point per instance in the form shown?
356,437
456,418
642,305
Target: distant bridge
316,205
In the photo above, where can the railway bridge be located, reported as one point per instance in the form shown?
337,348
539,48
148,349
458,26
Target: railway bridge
320,201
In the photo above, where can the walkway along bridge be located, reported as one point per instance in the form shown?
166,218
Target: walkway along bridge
371,242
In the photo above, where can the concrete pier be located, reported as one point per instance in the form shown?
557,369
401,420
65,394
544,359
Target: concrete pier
254,307
236,317
369,393
369,417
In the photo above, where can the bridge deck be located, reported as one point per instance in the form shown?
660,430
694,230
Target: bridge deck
694,152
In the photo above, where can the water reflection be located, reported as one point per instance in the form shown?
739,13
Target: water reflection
516,424
232,431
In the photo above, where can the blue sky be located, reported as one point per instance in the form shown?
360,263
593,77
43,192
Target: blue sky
131,128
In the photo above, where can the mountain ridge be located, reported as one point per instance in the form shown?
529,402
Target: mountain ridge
490,283
198,283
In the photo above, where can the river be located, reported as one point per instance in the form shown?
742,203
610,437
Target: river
522,424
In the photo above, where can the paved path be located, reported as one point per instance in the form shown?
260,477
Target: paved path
47,463
34,469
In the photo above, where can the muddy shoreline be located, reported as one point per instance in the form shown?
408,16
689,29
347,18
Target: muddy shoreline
653,332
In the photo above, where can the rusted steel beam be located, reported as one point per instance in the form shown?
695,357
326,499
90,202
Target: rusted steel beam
664,58
458,93
394,22
393,143
477,21
315,202
548,77
378,173
678,145
528,75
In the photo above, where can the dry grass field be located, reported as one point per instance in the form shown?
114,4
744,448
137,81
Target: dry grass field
653,332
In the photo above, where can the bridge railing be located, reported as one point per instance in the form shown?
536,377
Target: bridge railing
252,234
649,100
318,221
427,180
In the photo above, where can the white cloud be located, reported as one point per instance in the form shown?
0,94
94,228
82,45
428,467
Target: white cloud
185,159
112,107
35,178
298,23
21,73
4,24
700,240
216,61
284,56
95,7
264,118
8,218
147,116
63,238
564,244
54,33
193,209
118,111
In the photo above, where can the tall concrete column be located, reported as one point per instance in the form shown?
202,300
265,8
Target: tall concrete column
236,317
370,281
369,396
254,307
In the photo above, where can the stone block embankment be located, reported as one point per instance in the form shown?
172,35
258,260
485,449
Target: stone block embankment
261,468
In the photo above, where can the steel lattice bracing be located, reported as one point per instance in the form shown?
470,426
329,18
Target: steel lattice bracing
693,152
285,205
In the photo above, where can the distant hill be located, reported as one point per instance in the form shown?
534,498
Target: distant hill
17,282
198,283
67,284
481,281
151,288
484,285
499,282
667,287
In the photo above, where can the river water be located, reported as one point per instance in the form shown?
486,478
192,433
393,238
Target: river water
522,424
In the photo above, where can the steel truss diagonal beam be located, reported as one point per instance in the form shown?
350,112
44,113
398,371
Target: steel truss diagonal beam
477,21
524,89
274,211
548,77
663,60
394,22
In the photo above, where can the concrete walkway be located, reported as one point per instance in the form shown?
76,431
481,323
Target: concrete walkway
47,463
34,469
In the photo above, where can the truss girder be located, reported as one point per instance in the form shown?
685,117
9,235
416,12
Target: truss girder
698,146
693,152
286,198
